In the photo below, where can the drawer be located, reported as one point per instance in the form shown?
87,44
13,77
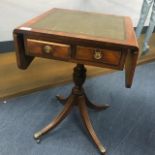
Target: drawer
47,49
98,55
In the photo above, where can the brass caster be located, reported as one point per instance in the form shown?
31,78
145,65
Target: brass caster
102,150
37,138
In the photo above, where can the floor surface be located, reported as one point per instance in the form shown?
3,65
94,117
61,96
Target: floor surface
126,128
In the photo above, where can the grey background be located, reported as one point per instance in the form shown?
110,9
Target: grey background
126,128
15,12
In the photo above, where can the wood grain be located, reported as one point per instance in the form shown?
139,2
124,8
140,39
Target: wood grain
107,56
99,31
44,73
37,48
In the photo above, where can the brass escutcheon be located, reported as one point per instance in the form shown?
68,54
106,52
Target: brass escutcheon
97,54
47,49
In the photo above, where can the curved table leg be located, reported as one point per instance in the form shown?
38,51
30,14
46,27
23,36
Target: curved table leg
84,113
94,106
67,108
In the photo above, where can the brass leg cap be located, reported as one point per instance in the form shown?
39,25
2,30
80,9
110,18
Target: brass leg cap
36,135
102,150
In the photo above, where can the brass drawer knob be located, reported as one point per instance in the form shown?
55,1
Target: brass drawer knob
47,49
97,54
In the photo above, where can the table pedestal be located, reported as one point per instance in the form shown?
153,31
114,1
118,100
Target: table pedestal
77,98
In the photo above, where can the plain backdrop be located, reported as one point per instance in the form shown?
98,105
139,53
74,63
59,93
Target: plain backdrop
15,12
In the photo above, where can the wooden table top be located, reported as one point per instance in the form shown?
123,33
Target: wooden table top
79,37
84,25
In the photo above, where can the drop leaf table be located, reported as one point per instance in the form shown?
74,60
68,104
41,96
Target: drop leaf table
83,38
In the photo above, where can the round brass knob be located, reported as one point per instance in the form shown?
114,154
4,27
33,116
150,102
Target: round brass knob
97,54
47,49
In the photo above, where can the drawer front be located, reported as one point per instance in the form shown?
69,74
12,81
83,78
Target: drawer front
47,49
98,55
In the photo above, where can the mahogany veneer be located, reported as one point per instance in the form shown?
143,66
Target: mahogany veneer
83,38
